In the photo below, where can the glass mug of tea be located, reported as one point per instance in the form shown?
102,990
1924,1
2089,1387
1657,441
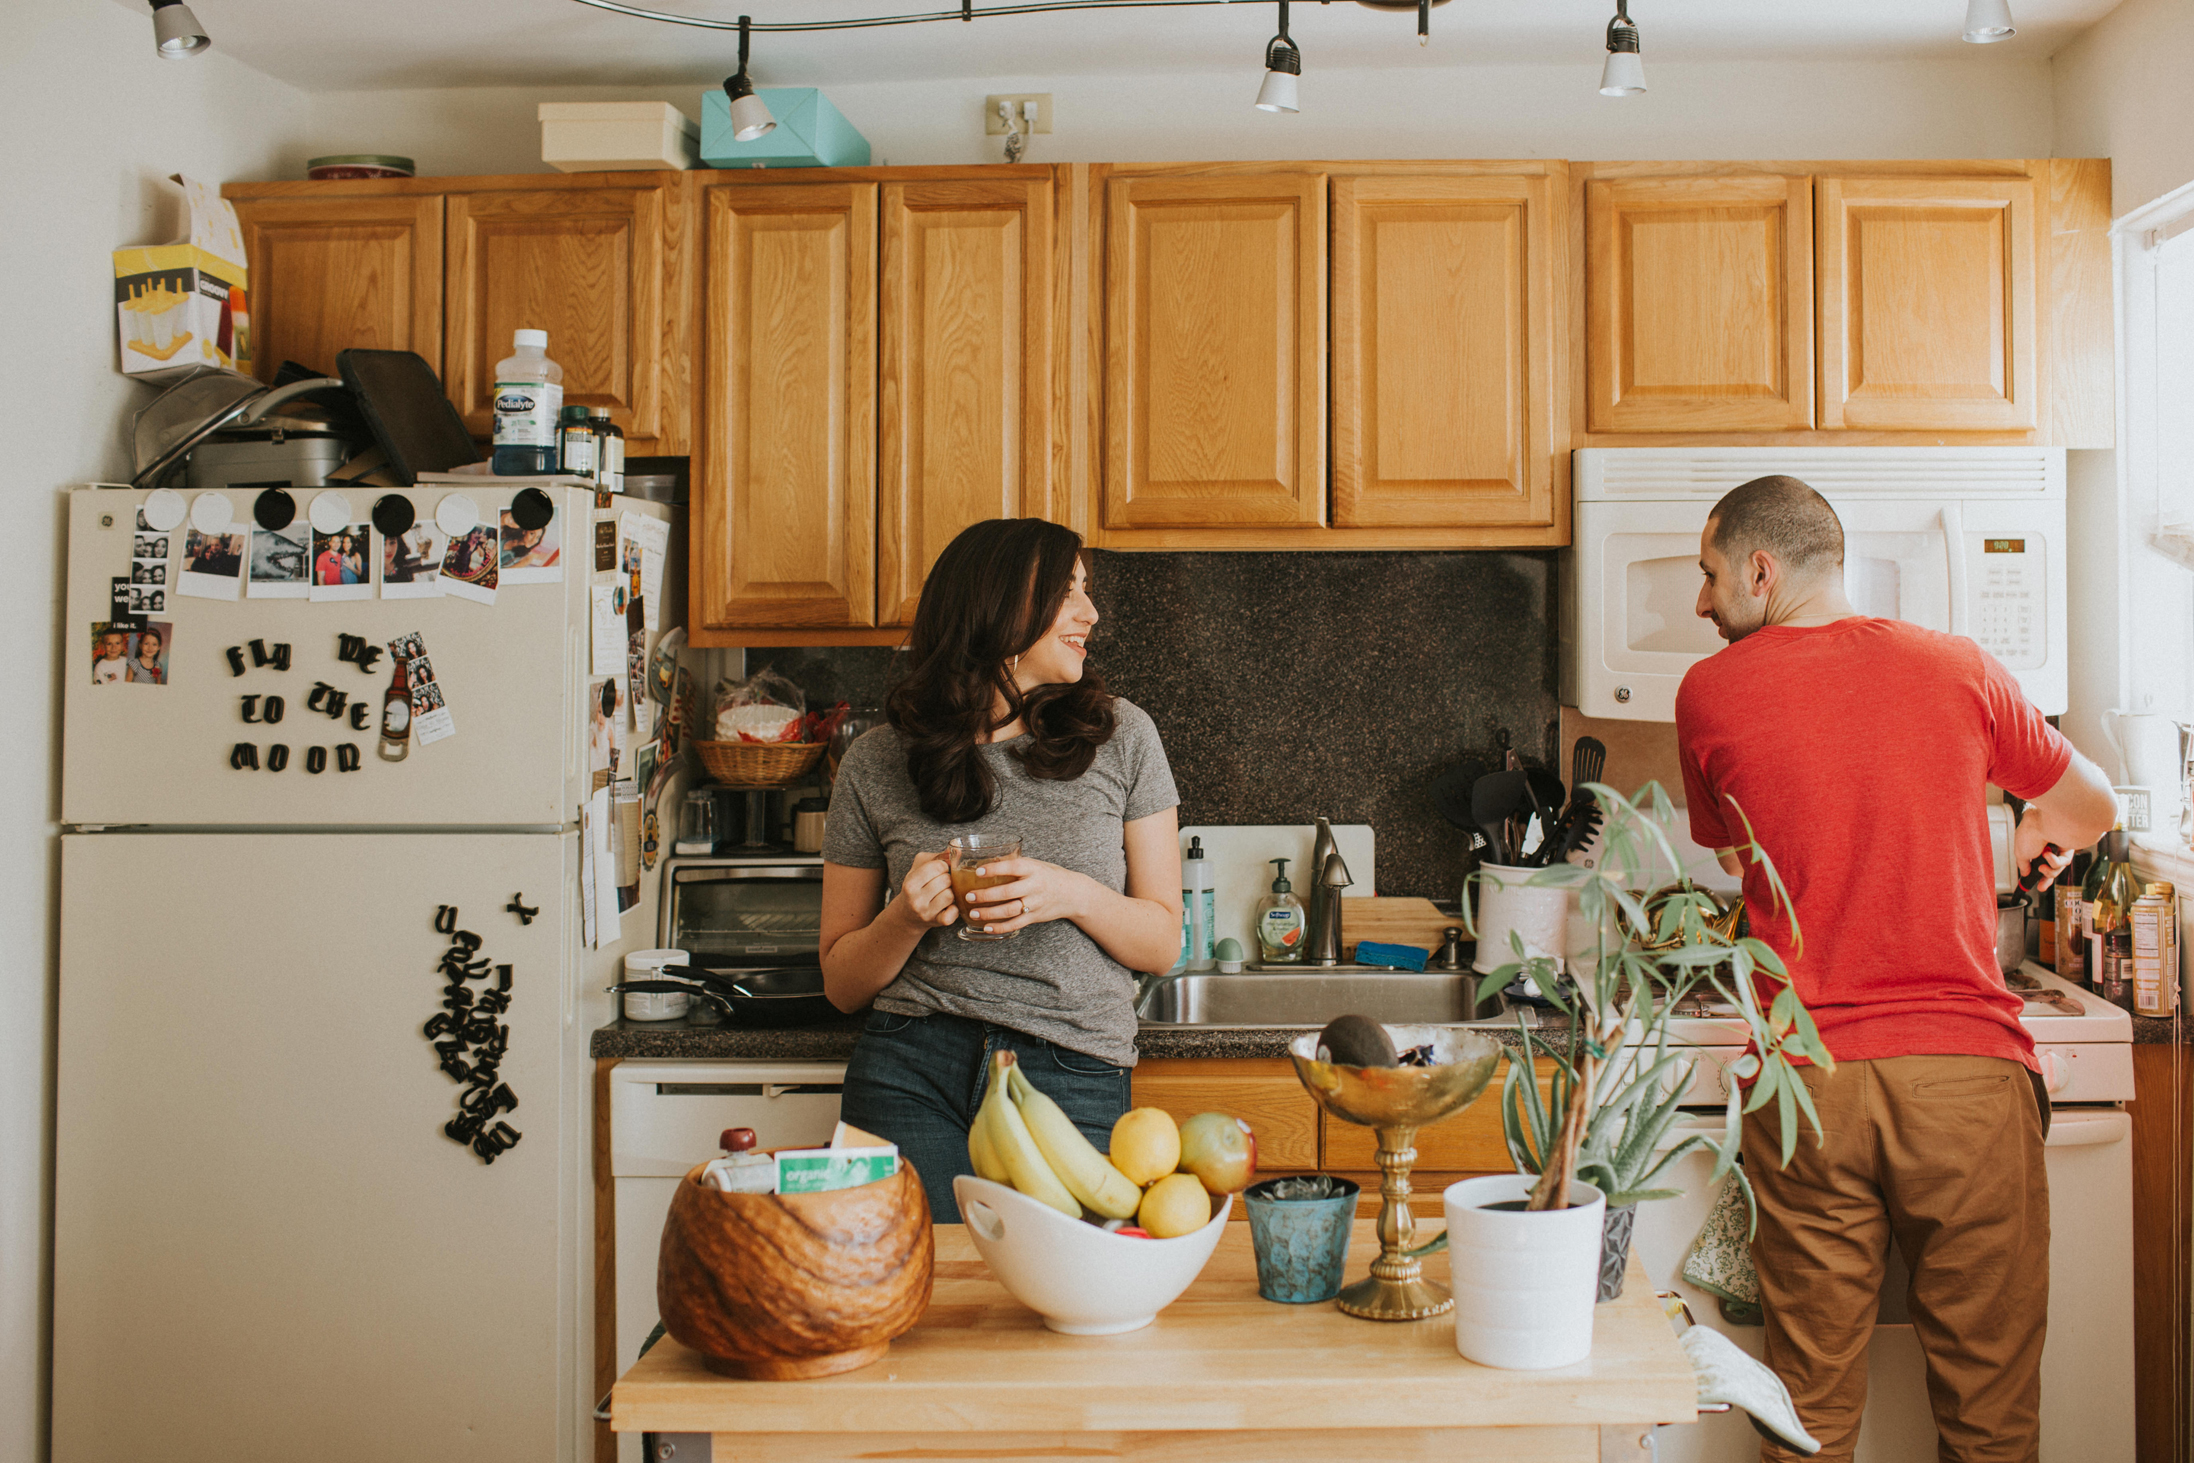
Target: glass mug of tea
972,851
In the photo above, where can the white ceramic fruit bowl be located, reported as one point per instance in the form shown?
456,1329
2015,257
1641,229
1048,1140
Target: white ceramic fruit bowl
1081,1280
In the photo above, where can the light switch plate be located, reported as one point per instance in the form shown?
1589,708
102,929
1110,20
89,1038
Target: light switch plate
995,125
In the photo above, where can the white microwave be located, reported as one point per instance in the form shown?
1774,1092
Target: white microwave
1969,540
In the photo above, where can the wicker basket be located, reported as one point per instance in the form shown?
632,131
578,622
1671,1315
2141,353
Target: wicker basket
758,764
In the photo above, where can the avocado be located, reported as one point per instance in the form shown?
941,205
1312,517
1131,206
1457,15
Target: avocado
1356,1041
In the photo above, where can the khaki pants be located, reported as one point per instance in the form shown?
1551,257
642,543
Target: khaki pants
1943,1155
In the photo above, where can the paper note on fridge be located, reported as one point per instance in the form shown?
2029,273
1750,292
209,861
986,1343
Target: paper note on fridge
649,540
607,630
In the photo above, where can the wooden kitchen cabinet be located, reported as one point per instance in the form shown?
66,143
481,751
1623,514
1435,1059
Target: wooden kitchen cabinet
1927,303
1443,347
589,266
964,387
1214,313
332,272
785,507
1699,304
1262,1091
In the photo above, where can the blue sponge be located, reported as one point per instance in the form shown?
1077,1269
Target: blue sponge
1393,957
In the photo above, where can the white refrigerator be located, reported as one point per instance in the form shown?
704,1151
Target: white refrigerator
290,1220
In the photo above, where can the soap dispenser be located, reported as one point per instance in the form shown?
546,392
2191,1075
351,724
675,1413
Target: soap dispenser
1280,922
1198,905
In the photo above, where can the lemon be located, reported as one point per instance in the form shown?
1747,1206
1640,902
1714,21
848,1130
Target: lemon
1174,1206
1146,1145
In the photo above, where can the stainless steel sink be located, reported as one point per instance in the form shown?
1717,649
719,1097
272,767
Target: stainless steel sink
1312,998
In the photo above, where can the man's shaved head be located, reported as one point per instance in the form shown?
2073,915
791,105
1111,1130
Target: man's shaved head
1783,516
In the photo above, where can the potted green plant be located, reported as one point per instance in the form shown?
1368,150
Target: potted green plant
1618,1081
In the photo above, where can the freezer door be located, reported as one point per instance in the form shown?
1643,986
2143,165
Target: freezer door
511,672
264,1244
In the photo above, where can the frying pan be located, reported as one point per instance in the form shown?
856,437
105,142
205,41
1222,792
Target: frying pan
778,996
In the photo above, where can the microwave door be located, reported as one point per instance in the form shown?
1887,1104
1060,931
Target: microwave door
1898,564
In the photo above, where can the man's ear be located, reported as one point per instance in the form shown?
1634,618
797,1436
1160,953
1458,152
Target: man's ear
1761,570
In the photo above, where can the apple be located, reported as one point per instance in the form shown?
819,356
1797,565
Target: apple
1220,1150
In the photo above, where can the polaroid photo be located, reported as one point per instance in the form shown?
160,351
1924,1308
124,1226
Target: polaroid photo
213,564
342,563
411,563
149,571
532,555
149,546
471,566
281,562
605,729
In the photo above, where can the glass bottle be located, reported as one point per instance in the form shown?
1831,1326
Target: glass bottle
2091,889
2070,957
396,714
576,444
609,464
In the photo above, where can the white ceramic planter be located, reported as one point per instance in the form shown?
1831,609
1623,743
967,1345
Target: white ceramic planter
1524,1283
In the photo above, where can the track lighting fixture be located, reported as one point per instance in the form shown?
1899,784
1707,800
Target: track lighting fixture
1988,20
1624,75
175,31
1283,63
750,116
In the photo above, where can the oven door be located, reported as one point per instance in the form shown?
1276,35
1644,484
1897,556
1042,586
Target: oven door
743,916
2087,1365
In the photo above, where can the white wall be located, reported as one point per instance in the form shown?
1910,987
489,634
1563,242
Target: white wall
1985,106
96,120
2121,93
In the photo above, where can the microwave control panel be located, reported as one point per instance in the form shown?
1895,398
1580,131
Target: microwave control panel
2009,613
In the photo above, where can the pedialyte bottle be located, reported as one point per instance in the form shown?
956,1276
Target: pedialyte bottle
529,399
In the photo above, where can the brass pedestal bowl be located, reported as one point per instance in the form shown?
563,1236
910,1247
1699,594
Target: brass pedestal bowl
1396,1102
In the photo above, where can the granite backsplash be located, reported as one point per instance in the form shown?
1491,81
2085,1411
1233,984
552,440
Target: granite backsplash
1292,685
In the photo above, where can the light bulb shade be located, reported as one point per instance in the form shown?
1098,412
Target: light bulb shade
1988,20
750,116
1278,92
1624,75
175,31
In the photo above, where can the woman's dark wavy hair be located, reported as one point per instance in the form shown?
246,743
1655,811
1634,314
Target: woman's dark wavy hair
994,592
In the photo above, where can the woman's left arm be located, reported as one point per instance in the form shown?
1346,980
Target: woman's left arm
1141,928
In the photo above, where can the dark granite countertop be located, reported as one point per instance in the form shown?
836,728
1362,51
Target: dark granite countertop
833,1041
2162,1031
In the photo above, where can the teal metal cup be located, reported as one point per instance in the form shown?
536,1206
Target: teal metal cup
1301,1244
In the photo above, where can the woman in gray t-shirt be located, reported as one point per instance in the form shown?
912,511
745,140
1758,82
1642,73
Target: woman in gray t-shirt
996,728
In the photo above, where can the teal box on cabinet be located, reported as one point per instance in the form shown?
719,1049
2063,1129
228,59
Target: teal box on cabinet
810,133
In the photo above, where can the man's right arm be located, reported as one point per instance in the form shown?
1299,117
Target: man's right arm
2079,809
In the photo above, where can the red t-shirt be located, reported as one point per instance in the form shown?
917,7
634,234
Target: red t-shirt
1859,752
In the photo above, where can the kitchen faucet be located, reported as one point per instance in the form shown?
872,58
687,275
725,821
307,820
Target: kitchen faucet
1330,876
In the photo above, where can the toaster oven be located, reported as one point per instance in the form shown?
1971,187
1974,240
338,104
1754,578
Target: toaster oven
734,913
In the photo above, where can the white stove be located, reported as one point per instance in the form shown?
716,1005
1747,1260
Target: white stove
2085,1044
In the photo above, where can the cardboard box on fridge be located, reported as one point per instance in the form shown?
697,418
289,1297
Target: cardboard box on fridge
180,306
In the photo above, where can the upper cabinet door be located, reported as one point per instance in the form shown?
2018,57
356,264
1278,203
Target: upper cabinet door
787,500
1443,337
328,274
584,264
1927,304
1699,304
1215,352
964,394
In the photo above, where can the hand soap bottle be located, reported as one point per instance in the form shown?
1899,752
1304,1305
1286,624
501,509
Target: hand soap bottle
1280,922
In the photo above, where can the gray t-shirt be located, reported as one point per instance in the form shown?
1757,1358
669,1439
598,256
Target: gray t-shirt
1050,980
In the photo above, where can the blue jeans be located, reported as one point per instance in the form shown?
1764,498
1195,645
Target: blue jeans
917,1081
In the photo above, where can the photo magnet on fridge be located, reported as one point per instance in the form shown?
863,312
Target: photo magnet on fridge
411,563
147,600
281,561
123,654
471,568
118,602
342,563
532,555
213,564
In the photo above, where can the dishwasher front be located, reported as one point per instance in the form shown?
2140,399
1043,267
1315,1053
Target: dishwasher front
667,1116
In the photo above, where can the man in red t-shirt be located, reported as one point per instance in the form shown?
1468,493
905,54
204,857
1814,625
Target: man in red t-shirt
1854,754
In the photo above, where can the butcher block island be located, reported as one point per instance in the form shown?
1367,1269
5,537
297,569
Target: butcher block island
1220,1375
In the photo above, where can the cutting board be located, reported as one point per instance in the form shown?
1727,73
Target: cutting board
1237,853
1396,922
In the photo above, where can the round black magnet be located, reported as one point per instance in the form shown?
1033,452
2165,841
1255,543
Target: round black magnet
532,509
277,757
393,514
316,759
274,509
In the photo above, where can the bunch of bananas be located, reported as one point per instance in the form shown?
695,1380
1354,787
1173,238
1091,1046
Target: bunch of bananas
1024,1140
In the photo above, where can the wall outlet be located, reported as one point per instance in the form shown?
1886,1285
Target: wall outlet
995,125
